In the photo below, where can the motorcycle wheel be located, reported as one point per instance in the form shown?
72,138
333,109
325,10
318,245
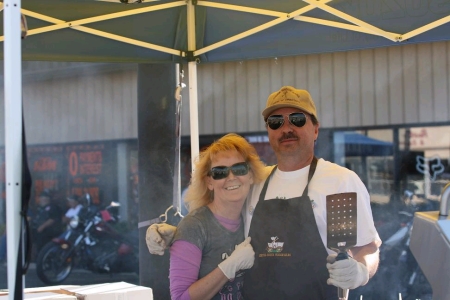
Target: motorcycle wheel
51,268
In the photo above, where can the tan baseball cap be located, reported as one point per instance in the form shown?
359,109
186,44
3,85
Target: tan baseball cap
288,96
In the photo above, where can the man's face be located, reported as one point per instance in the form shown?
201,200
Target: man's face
289,140
72,203
43,200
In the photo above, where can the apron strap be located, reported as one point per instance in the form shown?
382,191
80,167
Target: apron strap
312,169
262,195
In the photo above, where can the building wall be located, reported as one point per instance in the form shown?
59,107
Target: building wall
386,86
78,102
406,84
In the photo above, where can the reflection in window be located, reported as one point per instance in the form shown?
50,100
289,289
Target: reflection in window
370,155
405,170
426,159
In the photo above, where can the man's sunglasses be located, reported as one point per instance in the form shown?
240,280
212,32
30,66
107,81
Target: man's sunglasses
297,119
221,172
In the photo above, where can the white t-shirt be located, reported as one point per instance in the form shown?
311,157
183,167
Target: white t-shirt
72,212
329,178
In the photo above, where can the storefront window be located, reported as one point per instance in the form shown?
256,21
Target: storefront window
426,159
369,154
405,170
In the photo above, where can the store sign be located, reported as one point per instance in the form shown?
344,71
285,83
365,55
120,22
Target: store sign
85,169
74,169
431,139
46,166
430,167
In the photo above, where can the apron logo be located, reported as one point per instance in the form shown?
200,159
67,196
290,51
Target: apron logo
274,246
313,204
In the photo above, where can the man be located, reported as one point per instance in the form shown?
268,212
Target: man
295,217
46,224
74,208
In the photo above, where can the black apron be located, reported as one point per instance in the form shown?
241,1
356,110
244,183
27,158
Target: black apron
290,258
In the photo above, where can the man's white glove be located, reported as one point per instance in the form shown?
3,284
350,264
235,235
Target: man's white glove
159,237
242,258
346,273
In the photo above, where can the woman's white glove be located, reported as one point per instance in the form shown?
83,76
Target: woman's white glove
242,258
159,237
346,273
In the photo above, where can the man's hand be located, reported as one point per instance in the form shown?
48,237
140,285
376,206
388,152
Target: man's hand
46,224
159,237
346,273
242,258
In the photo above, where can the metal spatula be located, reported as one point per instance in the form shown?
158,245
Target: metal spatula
341,227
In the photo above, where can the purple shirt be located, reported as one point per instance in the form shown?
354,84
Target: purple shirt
185,259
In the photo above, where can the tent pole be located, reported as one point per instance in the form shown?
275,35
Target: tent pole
192,69
193,111
13,142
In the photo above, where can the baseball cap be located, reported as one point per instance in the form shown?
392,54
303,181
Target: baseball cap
288,96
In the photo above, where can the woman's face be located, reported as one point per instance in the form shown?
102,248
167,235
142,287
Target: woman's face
233,188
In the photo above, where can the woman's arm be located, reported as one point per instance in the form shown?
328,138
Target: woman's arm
185,259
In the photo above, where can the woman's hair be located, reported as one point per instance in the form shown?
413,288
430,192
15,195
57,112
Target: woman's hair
198,193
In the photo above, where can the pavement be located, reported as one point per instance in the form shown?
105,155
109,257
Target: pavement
77,277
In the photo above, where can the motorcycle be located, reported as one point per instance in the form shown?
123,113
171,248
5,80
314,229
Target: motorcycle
91,242
399,272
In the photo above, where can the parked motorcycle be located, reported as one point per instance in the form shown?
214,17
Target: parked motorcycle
92,243
399,272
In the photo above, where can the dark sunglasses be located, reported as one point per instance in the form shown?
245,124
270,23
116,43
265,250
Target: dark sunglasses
221,172
297,119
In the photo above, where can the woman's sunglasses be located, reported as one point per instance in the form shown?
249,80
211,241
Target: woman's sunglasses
297,119
221,172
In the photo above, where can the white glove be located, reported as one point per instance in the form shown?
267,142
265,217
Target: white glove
346,273
159,237
242,258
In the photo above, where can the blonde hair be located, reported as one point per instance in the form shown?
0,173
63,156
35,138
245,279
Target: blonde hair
198,193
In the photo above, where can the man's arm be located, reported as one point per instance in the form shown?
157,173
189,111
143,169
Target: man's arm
46,224
356,270
159,237
369,255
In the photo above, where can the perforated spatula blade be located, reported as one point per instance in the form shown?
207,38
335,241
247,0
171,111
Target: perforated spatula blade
341,226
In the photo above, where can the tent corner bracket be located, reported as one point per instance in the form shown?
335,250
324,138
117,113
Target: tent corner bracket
190,57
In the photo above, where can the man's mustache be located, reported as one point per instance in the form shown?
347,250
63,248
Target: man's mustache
287,136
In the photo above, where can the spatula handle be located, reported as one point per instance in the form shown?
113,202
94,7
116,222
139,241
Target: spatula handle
342,293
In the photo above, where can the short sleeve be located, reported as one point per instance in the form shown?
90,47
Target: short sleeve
192,230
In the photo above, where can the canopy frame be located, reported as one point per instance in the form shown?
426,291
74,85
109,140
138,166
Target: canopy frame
356,25
13,83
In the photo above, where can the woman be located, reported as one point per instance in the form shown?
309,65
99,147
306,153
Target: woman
209,252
